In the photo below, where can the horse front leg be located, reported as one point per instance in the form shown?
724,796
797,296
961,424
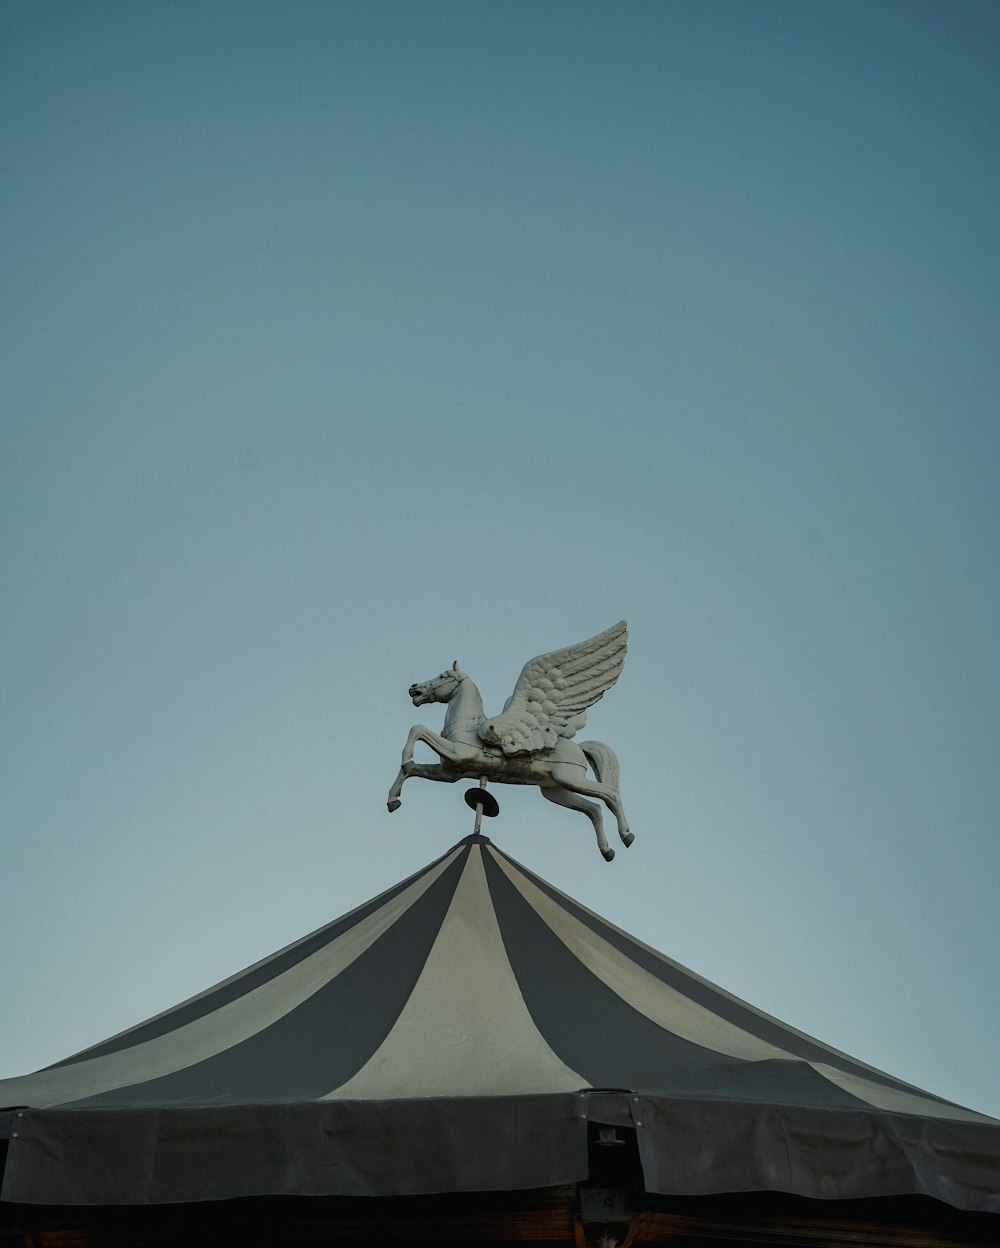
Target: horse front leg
423,771
441,746
428,771
394,800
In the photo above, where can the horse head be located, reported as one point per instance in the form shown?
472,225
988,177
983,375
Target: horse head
439,688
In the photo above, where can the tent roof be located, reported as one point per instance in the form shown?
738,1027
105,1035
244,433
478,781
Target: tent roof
457,1033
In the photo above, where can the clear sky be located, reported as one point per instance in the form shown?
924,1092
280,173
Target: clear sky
341,340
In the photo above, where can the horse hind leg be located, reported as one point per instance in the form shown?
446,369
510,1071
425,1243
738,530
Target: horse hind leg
570,778
613,800
573,801
604,763
623,829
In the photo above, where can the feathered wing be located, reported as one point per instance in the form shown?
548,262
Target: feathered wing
553,692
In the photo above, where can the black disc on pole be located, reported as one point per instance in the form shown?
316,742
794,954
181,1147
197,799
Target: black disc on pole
479,797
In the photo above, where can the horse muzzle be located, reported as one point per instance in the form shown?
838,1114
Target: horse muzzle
418,695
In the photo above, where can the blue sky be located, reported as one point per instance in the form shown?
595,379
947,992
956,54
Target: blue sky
343,340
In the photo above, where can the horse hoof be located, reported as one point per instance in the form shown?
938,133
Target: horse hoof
627,839
608,854
394,804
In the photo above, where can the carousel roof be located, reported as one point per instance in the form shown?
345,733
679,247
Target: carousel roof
458,1033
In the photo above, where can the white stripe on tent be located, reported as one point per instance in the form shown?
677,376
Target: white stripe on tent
465,1031
896,1100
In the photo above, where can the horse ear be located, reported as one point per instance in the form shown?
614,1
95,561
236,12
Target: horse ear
454,666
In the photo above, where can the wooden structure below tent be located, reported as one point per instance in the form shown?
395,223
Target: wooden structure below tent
569,1216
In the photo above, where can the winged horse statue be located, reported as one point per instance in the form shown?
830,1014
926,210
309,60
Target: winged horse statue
531,741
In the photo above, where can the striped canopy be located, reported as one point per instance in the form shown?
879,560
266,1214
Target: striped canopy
458,1033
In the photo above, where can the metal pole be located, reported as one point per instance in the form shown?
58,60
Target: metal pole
483,782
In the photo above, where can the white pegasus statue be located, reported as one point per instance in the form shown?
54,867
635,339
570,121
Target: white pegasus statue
531,741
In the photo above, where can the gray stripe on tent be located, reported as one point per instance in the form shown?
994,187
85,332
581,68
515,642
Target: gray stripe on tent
328,1035
741,1013
658,1001
616,1046
250,977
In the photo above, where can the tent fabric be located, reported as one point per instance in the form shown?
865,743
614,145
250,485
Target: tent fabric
457,1033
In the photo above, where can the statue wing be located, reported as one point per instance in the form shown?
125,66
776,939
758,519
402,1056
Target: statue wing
553,692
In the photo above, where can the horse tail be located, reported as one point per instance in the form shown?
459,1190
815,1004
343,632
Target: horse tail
604,761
